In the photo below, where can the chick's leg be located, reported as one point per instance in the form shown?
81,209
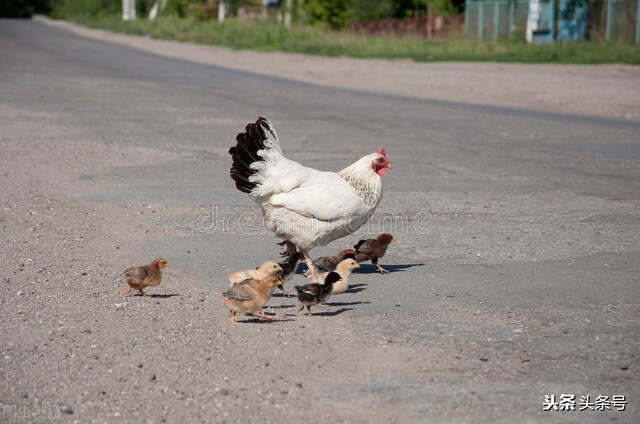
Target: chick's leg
289,250
233,318
307,259
261,314
127,290
309,313
381,270
287,293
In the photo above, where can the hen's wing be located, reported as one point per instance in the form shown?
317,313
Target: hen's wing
260,169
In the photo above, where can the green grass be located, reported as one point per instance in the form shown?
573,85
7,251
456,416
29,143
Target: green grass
310,40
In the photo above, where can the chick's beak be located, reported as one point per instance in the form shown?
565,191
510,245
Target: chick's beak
388,165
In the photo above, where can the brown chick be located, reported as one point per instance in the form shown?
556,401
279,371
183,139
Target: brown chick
373,249
265,269
140,277
326,264
250,296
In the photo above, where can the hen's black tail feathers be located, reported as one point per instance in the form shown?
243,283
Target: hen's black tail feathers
245,152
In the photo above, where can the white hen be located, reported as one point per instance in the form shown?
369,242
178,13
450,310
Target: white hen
302,205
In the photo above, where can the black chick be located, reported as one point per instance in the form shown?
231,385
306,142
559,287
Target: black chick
373,249
289,268
312,294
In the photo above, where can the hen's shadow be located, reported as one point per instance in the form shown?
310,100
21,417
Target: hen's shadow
371,269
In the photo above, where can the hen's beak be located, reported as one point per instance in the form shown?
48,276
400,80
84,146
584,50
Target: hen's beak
389,166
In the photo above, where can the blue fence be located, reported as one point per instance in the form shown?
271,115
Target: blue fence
615,20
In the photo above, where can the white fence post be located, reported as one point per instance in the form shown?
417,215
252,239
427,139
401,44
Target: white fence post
609,18
221,10
638,23
128,10
496,19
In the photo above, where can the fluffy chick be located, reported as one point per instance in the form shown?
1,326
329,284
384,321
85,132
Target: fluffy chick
314,294
265,269
288,269
373,249
140,277
329,263
344,269
250,296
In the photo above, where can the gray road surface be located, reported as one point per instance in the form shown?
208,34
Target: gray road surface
515,275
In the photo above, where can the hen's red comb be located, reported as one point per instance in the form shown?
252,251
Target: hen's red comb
382,151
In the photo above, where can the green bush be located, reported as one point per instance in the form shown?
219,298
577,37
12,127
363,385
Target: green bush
327,12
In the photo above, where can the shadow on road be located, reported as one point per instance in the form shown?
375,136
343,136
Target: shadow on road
346,303
371,269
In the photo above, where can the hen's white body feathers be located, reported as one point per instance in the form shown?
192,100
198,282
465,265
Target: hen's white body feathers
306,206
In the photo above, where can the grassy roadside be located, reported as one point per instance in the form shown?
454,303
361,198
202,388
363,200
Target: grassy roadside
310,40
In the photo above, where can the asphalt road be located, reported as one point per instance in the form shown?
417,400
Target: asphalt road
515,276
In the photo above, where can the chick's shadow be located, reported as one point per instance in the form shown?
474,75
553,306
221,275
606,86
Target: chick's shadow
371,269
330,313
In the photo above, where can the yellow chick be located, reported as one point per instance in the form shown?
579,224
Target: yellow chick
264,270
250,296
